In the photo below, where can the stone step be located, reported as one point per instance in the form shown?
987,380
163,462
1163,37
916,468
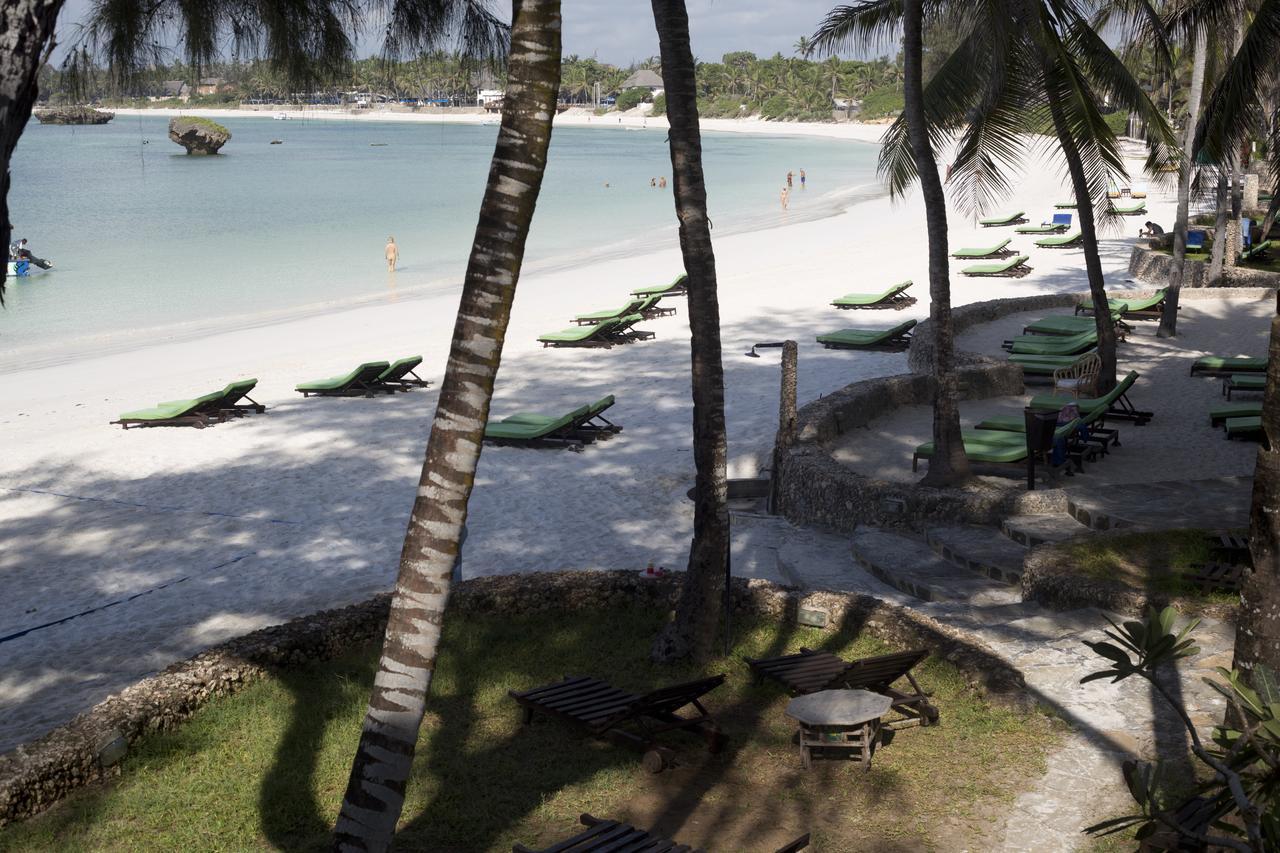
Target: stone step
908,564
984,550
1216,503
1031,530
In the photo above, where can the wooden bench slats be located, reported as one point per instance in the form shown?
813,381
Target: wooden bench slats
549,690
589,700
1216,577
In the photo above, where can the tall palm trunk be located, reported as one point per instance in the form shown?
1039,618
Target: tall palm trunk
1258,622
1222,204
948,466
26,38
1169,317
375,791
693,632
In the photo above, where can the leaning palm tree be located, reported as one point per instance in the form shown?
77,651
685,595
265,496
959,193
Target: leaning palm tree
1234,113
865,23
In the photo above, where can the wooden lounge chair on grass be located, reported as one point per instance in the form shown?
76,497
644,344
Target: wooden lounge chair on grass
1014,267
592,335
1132,307
1129,209
1250,382
894,298
1062,241
400,376
1216,365
810,671
679,286
1248,427
1053,344
1002,220
999,250
361,382
1115,402
1220,414
632,719
897,338
611,836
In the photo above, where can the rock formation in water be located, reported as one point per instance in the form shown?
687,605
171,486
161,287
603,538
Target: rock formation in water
198,135
73,115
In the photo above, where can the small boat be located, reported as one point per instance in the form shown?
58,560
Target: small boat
377,145
277,142
281,116
23,269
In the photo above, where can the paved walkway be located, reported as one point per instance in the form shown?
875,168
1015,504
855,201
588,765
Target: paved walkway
1108,722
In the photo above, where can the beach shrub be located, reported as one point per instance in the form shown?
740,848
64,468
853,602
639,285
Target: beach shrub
1118,122
776,107
205,123
882,102
630,99
659,106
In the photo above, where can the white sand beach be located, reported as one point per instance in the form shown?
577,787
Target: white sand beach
192,536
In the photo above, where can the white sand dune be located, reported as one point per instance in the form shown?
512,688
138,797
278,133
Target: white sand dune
249,523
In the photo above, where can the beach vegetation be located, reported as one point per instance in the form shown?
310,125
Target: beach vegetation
265,768
659,105
630,99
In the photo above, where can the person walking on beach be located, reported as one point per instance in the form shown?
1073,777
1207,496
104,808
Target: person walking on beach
789,180
392,253
802,179
786,192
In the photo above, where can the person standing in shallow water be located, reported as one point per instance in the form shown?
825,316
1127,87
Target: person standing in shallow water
786,191
789,175
802,179
392,253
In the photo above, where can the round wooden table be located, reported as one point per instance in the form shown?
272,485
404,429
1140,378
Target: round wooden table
843,721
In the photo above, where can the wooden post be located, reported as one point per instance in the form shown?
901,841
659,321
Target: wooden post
786,435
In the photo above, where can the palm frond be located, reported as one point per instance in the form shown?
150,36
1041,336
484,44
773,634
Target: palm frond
1234,109
866,23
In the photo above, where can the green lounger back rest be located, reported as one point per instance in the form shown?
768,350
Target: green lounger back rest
1002,266
871,298
1240,363
1060,240
1048,401
1251,409
866,337
631,307
600,405
400,368
532,429
676,283
367,372
579,333
171,409
235,390
1237,426
644,305
1000,220
1055,345
980,253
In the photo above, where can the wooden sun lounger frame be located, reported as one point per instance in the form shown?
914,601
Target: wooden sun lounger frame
811,671
357,388
1016,271
895,343
603,710
895,298
192,419
611,836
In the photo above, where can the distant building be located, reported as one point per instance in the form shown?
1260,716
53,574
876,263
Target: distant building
489,98
211,86
172,89
644,79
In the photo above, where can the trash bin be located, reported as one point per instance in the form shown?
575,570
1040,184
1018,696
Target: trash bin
1040,427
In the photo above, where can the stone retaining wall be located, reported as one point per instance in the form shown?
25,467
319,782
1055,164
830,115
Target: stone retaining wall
920,357
1153,267
1050,577
36,775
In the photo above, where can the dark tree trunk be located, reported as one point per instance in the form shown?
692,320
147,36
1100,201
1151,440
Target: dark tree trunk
1222,203
1169,316
375,791
1258,622
1089,240
948,466
697,620
26,39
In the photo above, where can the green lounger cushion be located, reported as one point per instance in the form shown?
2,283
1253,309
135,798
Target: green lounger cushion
1058,241
601,405
981,253
1064,205
509,429
1130,304
578,334
1129,209
1218,364
580,413
997,268
1002,220
1086,404
1243,426
1043,365
1055,345
982,452
871,298
400,368
1258,250
337,383
600,316
1016,426
1218,414
1064,324
171,409
1038,229
865,337
1248,381
678,283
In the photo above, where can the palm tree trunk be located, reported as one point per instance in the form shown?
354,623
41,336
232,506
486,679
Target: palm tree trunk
375,791
948,466
1258,622
26,39
1222,202
1169,317
1231,249
697,619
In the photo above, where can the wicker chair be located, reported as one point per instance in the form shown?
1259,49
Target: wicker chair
1080,379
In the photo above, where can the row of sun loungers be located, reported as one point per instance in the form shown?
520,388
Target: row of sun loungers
1238,418
609,328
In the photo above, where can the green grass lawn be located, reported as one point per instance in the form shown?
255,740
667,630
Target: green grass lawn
266,769
1148,561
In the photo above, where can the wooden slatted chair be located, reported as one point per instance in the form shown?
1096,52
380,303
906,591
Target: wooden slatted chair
614,836
632,719
810,671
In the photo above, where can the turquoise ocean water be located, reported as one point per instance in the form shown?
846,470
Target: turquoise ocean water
151,244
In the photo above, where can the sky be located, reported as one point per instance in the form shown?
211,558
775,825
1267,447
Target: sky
621,31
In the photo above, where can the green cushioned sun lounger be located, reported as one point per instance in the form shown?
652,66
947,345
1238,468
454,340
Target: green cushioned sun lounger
361,381
1249,409
993,453
1115,403
892,298
1042,365
1065,205
1007,219
678,286
400,375
522,432
1040,229
1013,428
649,308
593,335
1053,344
600,316
996,251
1015,266
1244,382
1129,209
1062,241
1141,307
172,413
1259,251
1250,427
1217,364
1064,324
895,338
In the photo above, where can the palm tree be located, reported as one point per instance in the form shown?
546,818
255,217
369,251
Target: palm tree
693,631
864,22
1232,115
29,26
802,47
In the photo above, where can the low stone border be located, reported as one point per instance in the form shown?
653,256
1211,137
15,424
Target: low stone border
1153,267
920,358
1049,577
36,775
